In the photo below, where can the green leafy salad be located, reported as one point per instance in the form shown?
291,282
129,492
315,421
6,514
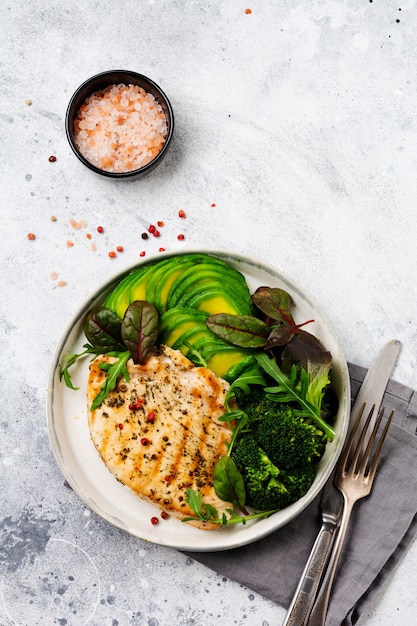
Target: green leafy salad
279,406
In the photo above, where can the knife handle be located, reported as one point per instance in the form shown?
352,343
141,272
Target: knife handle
306,592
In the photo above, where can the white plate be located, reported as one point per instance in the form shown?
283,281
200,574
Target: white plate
97,487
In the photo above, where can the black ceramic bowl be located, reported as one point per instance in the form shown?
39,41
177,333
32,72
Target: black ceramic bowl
101,81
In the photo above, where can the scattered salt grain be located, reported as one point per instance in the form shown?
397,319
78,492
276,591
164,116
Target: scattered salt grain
121,128
78,225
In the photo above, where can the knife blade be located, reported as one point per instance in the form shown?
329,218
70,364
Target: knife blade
371,392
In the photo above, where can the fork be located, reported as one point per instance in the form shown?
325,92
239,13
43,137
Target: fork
354,478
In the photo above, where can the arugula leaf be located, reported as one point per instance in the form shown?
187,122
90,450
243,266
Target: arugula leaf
294,387
251,376
114,370
208,513
69,360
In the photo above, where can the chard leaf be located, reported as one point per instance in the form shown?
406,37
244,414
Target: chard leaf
139,329
304,349
244,331
280,336
114,371
228,483
274,303
102,327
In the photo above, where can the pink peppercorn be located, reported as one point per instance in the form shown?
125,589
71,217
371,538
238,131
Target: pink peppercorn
154,521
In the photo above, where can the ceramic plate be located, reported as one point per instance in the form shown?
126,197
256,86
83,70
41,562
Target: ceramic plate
97,487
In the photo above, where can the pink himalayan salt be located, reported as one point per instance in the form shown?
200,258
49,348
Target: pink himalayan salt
121,128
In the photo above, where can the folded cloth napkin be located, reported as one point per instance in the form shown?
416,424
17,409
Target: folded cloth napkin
381,527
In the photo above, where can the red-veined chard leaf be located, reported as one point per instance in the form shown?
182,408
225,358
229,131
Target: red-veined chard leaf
140,329
244,331
274,303
102,327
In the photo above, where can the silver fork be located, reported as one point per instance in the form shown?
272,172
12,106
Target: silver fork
354,478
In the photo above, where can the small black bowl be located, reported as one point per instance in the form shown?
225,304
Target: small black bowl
101,81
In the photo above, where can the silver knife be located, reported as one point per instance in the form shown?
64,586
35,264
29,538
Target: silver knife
372,391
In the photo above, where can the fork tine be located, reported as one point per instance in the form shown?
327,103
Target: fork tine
360,445
373,468
371,441
351,440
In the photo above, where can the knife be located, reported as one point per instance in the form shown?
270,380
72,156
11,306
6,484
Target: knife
371,392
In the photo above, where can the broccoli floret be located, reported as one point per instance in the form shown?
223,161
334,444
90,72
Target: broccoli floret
255,403
298,480
268,487
289,441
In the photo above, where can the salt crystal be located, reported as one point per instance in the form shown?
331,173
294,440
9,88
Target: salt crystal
122,140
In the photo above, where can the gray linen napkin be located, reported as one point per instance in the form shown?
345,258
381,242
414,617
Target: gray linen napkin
382,526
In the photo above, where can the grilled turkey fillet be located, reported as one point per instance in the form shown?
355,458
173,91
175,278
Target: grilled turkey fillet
159,433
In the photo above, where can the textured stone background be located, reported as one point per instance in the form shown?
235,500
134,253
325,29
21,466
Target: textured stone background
298,122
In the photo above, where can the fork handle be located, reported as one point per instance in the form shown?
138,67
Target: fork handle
319,611
305,594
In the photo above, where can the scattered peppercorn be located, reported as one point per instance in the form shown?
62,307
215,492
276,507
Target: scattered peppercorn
142,253
134,406
31,236
161,249
100,229
151,229
160,224
248,11
151,416
52,159
213,205
120,426
53,218
164,515
145,236
144,441
154,521
181,213
112,254
119,248
181,237
28,102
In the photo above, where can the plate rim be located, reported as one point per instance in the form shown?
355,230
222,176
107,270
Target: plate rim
260,529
